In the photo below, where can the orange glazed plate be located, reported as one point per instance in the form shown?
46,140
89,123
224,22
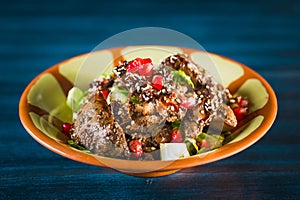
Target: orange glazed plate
43,108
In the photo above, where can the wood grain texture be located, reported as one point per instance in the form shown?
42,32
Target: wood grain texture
35,35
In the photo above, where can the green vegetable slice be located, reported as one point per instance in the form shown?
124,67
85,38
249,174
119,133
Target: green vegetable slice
214,140
135,100
75,98
181,77
105,76
191,146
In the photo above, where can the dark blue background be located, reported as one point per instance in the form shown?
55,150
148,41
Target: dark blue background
264,35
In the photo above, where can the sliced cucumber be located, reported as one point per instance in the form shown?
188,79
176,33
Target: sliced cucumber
75,98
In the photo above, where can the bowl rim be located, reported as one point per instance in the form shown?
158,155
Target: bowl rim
137,165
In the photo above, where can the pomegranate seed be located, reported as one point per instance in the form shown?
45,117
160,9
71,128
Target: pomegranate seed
240,112
104,93
188,102
135,146
143,66
177,136
66,128
244,103
158,82
132,67
146,69
205,144
147,60
139,61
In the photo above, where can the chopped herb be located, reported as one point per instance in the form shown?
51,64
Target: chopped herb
106,76
76,146
176,124
135,100
181,77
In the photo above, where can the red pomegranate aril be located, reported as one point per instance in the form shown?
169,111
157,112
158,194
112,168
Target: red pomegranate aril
66,128
177,136
104,93
242,108
243,103
147,60
143,66
132,67
205,144
240,112
135,146
158,82
139,61
146,69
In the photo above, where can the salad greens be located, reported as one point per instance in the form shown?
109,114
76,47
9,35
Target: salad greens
204,142
76,98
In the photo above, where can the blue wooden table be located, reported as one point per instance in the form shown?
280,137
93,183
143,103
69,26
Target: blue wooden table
35,35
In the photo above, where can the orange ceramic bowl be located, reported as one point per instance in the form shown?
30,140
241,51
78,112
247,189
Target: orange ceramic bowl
43,108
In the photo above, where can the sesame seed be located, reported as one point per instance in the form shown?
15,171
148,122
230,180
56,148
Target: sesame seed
232,100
